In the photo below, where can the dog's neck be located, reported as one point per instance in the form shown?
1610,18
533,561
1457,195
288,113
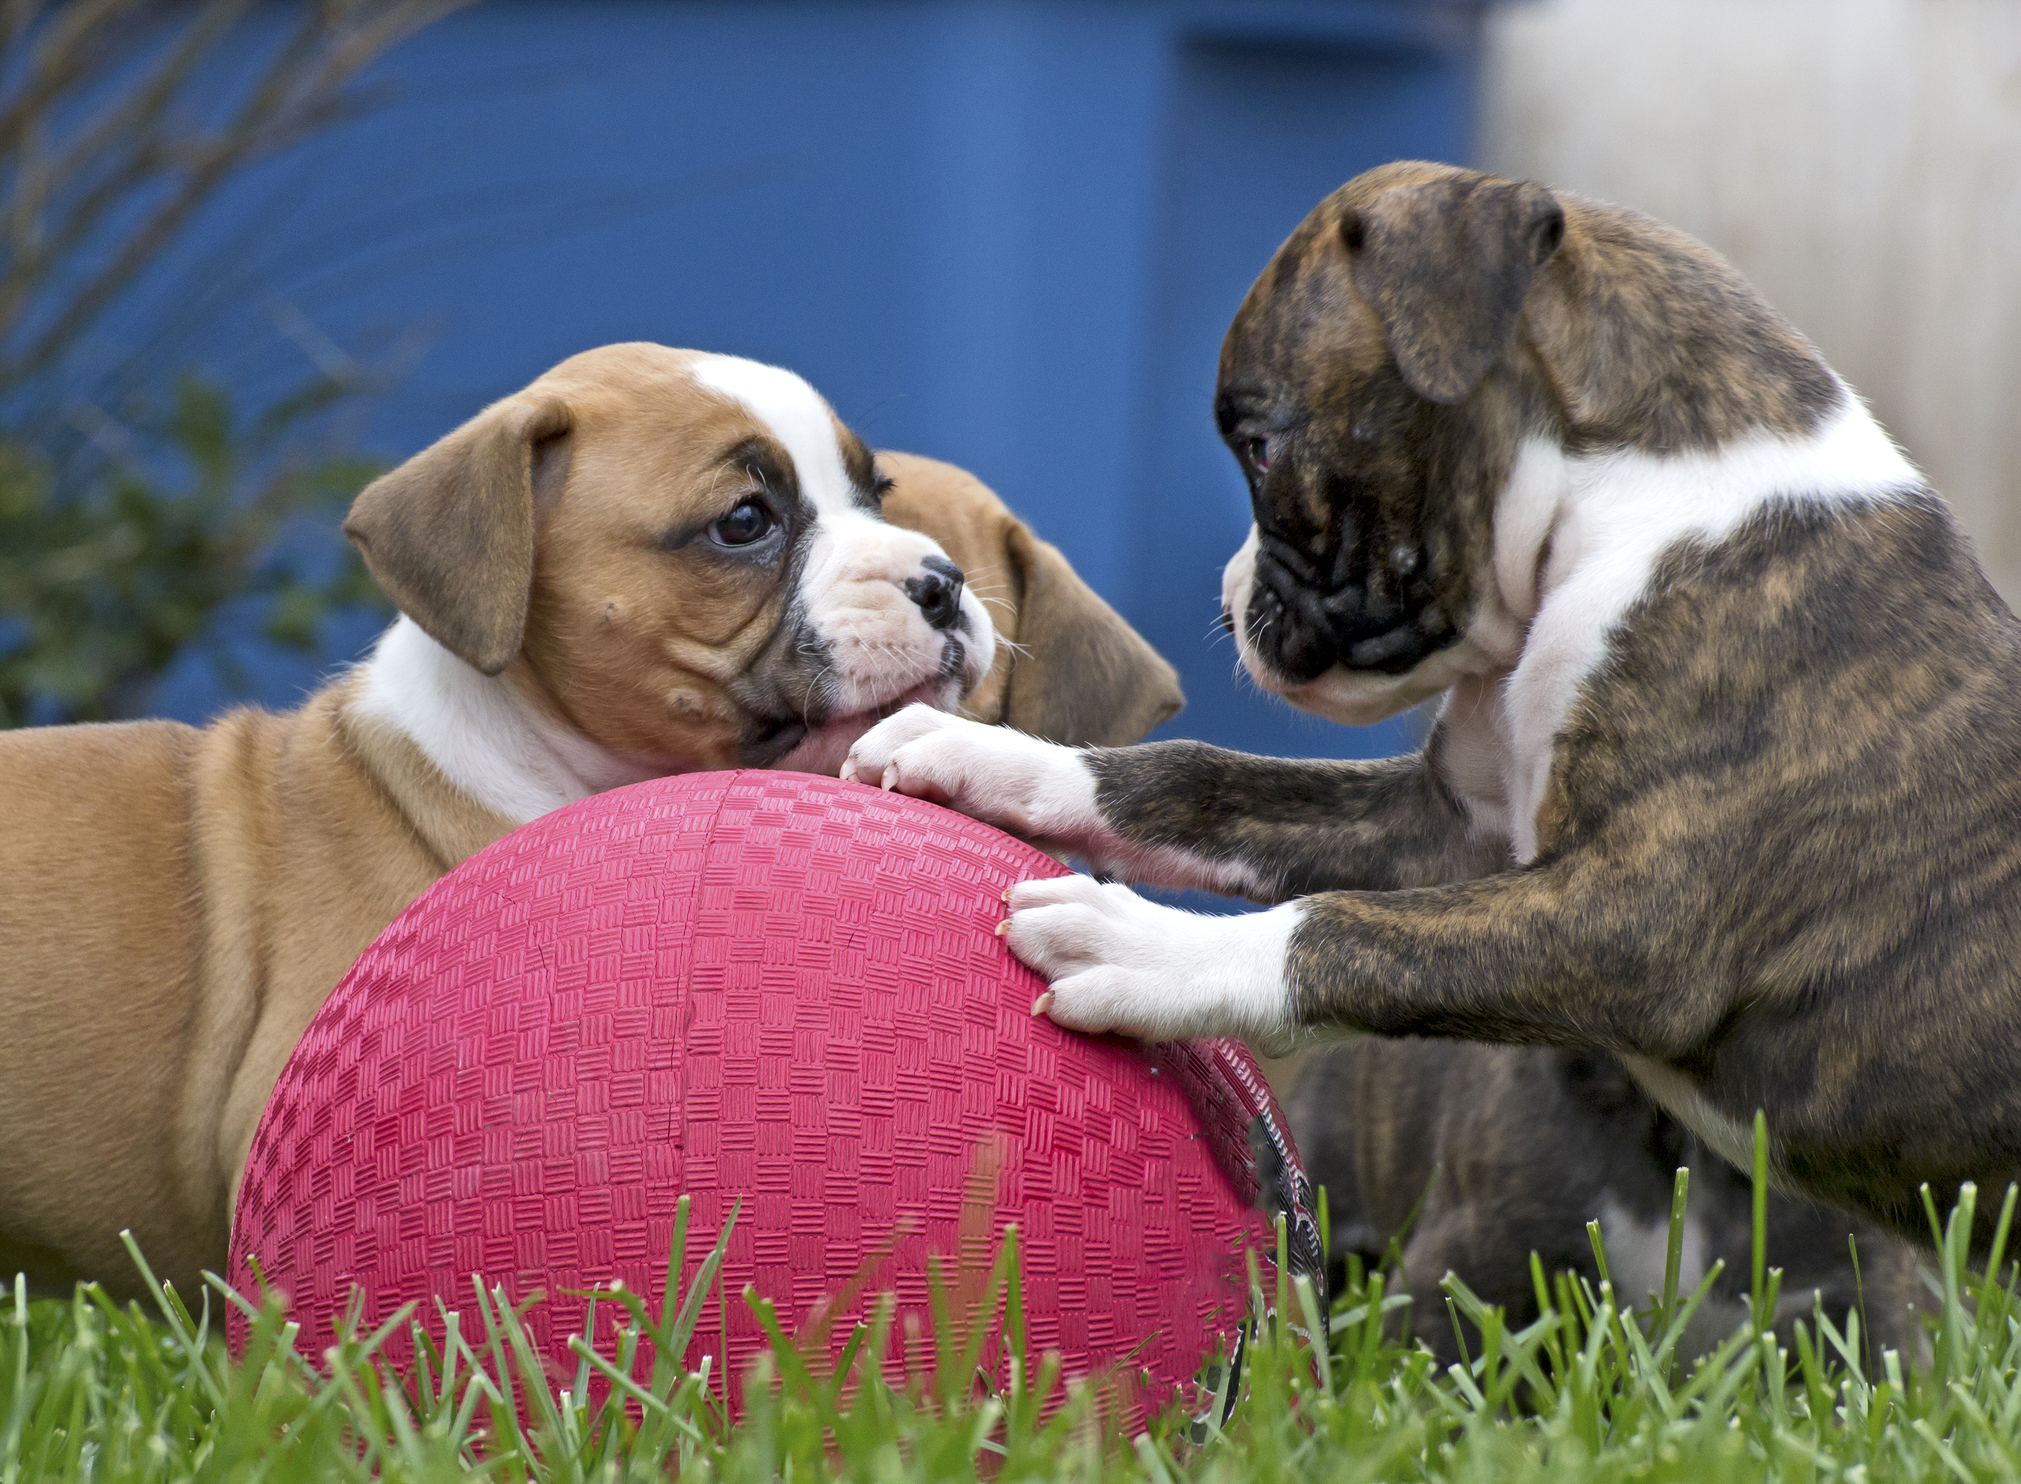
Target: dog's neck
1567,517
1577,540
483,733
1651,340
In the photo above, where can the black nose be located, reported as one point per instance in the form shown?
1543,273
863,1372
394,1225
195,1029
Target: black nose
937,592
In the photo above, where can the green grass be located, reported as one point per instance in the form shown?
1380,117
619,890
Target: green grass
1592,1390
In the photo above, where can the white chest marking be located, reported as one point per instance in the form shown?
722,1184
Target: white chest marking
1638,1251
1607,518
1685,1100
1474,751
481,733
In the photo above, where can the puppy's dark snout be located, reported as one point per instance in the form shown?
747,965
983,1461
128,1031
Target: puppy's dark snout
937,592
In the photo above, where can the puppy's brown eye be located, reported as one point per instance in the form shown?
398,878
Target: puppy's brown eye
749,522
1257,451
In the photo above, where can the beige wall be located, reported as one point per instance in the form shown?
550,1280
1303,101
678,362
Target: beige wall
1859,159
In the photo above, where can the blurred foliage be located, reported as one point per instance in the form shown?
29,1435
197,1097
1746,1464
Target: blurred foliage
102,588
122,548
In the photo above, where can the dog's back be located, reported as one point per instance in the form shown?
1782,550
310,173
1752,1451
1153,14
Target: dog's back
96,896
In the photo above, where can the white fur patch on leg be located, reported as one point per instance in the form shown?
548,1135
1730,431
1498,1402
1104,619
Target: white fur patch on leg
1042,791
1119,963
999,776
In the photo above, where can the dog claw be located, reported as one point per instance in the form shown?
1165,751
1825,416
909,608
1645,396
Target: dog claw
890,780
1003,927
1042,1004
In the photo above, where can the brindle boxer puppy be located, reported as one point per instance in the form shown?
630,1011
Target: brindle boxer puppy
1727,773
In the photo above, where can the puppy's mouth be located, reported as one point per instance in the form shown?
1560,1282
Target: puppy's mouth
776,737
1385,618
817,739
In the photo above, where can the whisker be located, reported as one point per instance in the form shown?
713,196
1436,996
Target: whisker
807,696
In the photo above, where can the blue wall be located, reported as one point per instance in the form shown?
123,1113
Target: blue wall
1007,234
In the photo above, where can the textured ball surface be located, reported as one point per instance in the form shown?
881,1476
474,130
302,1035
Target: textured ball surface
745,985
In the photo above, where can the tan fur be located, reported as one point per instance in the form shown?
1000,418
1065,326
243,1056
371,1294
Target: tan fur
611,647
1082,675
175,903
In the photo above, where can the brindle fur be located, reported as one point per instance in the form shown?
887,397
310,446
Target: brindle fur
1300,827
1624,334
1470,1158
1777,855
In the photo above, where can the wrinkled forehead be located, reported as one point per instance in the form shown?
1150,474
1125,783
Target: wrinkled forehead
1301,317
1303,320
652,423
828,461
1298,340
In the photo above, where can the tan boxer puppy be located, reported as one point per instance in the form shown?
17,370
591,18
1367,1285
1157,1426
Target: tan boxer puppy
1727,778
650,561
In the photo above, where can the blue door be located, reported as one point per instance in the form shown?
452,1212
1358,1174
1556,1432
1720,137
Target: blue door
1006,234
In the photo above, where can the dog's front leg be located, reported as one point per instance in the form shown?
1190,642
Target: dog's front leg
1184,814
1509,958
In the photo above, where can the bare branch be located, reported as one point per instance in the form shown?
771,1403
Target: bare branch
64,52
122,142
123,116
129,147
16,16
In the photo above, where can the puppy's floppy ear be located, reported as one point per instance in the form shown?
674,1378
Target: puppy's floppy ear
1081,674
449,534
1445,265
1077,672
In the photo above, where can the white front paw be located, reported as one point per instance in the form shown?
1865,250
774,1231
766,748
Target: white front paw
996,774
1117,962
890,754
